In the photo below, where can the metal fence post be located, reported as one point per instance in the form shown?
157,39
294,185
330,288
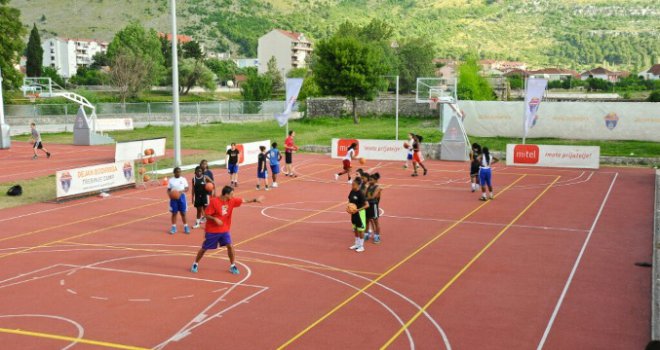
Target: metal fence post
198,116
148,113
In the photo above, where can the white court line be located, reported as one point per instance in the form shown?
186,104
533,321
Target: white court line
80,329
575,266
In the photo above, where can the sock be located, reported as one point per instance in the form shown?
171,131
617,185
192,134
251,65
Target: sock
357,241
174,226
185,225
360,242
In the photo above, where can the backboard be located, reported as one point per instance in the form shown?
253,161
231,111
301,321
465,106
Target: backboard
435,90
41,86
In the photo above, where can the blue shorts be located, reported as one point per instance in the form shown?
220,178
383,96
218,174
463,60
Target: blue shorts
179,205
214,240
262,174
232,168
275,168
409,157
485,177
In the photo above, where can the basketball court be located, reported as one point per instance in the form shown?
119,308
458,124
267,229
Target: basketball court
549,263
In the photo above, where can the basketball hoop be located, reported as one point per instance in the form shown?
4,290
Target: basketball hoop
433,103
32,97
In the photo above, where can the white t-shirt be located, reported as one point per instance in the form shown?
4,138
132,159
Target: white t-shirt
177,183
349,154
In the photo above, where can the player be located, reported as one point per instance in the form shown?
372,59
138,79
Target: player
358,219
232,164
346,162
218,224
289,148
205,169
262,170
200,196
409,156
474,166
373,197
180,184
36,140
485,161
274,156
418,158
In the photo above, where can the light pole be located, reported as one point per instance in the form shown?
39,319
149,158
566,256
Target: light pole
396,113
5,139
175,89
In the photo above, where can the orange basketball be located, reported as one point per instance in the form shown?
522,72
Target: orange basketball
145,160
164,181
351,208
146,178
151,160
363,161
209,187
141,170
146,152
406,145
174,194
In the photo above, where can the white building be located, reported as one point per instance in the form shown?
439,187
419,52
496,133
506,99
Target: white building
652,73
66,55
289,49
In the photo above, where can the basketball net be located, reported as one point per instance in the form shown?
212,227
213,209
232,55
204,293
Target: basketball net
32,97
433,103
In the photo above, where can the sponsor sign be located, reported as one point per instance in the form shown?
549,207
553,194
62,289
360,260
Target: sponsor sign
110,124
371,149
553,156
94,178
132,150
533,97
249,152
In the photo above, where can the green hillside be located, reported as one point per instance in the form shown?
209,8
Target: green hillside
620,34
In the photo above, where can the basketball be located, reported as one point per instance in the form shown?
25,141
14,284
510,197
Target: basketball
141,170
174,194
209,187
406,145
145,160
164,181
146,178
351,208
151,160
363,161
148,151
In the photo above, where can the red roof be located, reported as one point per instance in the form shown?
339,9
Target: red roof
555,71
179,37
293,35
655,69
599,71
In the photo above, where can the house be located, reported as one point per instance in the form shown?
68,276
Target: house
67,55
448,70
289,49
604,74
652,73
246,62
554,73
180,38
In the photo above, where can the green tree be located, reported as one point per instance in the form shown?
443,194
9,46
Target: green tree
142,44
349,67
129,74
34,54
275,75
471,85
193,72
415,60
100,59
192,49
224,69
254,90
89,76
50,72
11,44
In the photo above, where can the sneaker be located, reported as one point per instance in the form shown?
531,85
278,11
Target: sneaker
194,268
425,172
483,199
202,220
173,230
196,225
414,174
186,229
34,156
491,197
258,189
235,184
354,246
360,249
405,167
336,177
274,185
267,189
234,270
366,236
47,154
350,182
376,239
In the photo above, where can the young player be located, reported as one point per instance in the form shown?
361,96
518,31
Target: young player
262,170
418,158
346,162
205,169
274,156
36,140
373,197
218,224
485,175
232,164
289,148
180,184
200,194
358,219
409,156
474,166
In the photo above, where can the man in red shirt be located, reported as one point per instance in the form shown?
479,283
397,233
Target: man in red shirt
289,147
218,222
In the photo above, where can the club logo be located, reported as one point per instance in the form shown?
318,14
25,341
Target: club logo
128,171
65,181
533,108
344,144
526,154
611,120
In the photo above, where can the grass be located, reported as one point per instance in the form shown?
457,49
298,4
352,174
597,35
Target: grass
37,190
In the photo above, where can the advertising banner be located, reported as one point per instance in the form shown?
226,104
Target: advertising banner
533,97
293,86
370,149
112,124
249,152
553,156
94,178
132,150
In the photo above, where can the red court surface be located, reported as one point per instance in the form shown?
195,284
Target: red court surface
549,263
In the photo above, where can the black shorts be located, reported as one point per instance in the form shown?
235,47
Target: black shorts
474,169
201,200
288,157
38,145
372,211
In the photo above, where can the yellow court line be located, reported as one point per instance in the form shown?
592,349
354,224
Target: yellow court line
71,339
391,269
467,266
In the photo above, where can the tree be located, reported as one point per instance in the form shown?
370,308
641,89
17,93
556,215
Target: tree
192,49
50,72
193,72
471,85
275,75
415,60
255,89
223,69
129,74
89,76
349,67
11,44
100,59
35,54
139,43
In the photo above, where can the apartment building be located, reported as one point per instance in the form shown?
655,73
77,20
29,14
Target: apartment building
290,50
66,54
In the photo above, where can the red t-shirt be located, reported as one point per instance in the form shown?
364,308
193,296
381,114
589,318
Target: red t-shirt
289,146
221,210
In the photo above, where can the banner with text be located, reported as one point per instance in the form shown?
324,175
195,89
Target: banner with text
370,149
94,178
553,156
249,152
533,97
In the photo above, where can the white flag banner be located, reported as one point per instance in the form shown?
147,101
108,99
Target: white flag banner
533,97
293,86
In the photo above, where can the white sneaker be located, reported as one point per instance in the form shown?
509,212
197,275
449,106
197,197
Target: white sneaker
196,225
360,249
336,177
349,182
354,246
274,185
267,189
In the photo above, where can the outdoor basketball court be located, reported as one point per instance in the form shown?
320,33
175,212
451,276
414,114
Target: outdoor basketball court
549,263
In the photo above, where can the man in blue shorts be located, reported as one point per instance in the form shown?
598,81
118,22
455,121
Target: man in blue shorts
232,164
274,156
218,223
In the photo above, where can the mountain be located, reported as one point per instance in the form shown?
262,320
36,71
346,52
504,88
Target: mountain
578,34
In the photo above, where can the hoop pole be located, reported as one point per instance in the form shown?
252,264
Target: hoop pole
396,137
175,89
2,104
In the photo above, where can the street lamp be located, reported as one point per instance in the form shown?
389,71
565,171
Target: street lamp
175,89
5,139
396,113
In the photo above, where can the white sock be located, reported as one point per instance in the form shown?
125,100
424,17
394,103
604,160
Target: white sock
360,242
